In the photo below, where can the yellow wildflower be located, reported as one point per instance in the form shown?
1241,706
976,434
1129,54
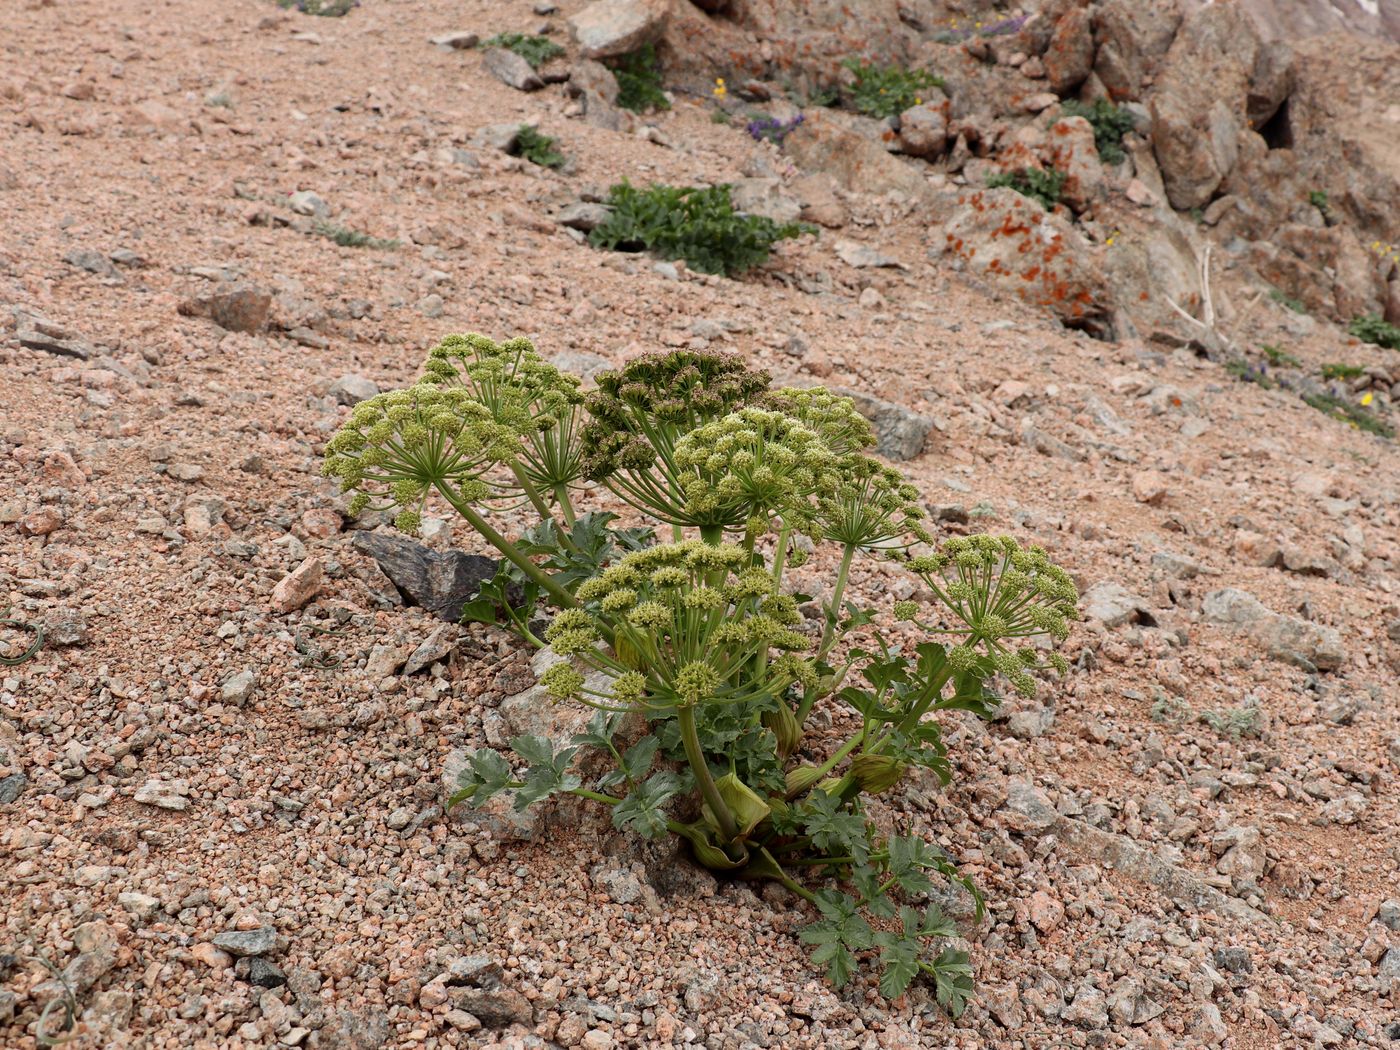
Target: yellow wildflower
1367,398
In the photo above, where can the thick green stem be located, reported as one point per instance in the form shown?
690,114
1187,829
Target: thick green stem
561,597
712,534
835,760
690,737
566,505
780,555
837,593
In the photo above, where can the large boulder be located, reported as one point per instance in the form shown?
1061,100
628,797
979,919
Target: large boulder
1070,57
821,143
1132,37
1070,148
1287,638
1011,242
610,28
1199,103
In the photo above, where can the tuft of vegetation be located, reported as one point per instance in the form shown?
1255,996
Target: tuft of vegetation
1043,185
1318,199
696,224
1372,328
1244,369
1235,722
887,91
692,653
348,238
324,8
1278,296
771,129
1110,124
639,84
1278,357
538,148
1352,414
1340,371
533,48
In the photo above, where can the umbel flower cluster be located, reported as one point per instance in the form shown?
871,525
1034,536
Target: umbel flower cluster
694,653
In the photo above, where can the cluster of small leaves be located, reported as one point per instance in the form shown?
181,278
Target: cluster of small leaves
1043,185
887,91
324,8
696,224
1235,722
533,48
348,238
1110,123
1372,328
538,148
1279,357
701,666
1337,370
639,83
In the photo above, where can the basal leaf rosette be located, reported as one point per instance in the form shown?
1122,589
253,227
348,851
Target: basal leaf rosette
523,392
397,447
691,624
639,412
1004,597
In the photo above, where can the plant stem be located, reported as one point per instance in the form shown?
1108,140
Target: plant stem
566,505
787,881
712,534
690,737
835,760
837,593
561,597
673,826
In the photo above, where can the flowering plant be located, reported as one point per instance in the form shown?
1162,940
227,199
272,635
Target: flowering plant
695,654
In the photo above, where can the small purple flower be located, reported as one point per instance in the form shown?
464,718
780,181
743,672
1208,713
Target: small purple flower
771,129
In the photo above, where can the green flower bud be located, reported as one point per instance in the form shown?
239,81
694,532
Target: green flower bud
784,725
562,681
744,803
906,610
877,773
800,778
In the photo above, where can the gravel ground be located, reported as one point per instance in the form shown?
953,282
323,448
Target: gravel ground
221,806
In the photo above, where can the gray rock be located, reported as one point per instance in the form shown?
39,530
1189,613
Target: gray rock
264,974
462,40
510,68
534,712
1389,914
610,28
305,202
495,1007
238,308
923,129
142,905
1028,809
437,646
1234,960
351,389
582,363
863,257
1128,1003
439,581
11,787
1088,1010
165,794
1113,605
1176,565
1284,637
583,215
503,137
239,688
247,942
39,333
900,433
765,198
91,261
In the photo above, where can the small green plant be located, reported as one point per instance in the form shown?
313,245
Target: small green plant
1278,357
1234,722
1244,369
1354,415
720,116
1318,199
1278,296
348,238
639,85
324,8
533,48
1169,709
1110,124
538,148
1339,371
1372,328
692,653
1043,185
698,225
887,91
